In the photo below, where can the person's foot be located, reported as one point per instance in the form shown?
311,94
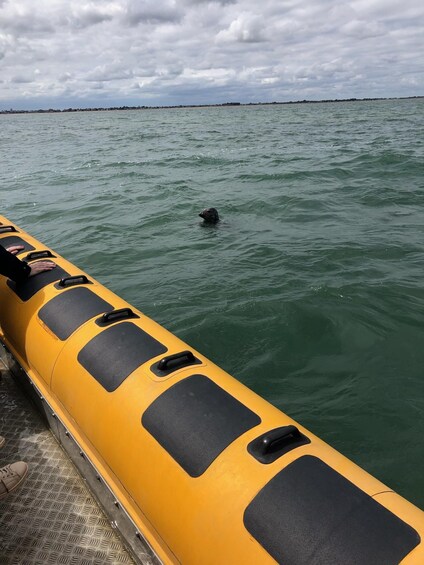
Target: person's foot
2,441
11,476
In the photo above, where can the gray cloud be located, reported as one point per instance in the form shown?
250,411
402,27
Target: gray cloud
109,72
151,12
88,15
20,79
205,51
199,2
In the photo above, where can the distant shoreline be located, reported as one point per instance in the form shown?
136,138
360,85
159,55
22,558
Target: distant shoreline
225,104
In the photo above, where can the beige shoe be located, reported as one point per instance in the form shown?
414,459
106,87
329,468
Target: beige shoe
11,476
2,441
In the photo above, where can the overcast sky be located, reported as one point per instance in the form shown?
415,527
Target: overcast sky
80,53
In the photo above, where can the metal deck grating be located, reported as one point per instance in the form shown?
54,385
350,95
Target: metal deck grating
52,518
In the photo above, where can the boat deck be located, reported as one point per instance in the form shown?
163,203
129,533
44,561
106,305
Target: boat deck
52,518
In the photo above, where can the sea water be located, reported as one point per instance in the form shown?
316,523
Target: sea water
309,290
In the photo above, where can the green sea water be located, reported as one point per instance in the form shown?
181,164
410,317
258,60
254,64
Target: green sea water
310,289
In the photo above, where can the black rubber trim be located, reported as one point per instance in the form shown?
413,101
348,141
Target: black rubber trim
10,240
195,420
271,445
309,514
69,310
26,290
116,352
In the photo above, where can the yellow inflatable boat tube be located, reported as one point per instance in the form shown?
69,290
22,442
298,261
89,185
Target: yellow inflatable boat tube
191,465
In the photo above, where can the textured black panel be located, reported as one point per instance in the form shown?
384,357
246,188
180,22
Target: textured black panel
114,354
309,514
69,310
16,240
195,420
31,286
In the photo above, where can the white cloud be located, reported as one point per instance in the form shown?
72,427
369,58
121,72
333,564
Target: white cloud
109,72
246,28
363,30
206,51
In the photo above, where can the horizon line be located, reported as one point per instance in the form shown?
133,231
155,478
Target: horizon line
225,104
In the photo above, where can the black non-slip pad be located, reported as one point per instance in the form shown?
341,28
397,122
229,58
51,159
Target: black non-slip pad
195,420
309,514
32,285
116,352
66,312
16,240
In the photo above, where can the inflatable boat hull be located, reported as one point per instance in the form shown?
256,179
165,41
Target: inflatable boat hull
193,466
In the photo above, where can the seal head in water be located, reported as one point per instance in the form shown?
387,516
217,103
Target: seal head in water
210,215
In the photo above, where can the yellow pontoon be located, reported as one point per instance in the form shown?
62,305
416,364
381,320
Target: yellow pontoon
186,460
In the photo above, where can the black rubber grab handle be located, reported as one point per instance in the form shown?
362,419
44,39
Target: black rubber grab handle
38,255
73,280
171,363
271,445
115,316
276,439
6,229
177,360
